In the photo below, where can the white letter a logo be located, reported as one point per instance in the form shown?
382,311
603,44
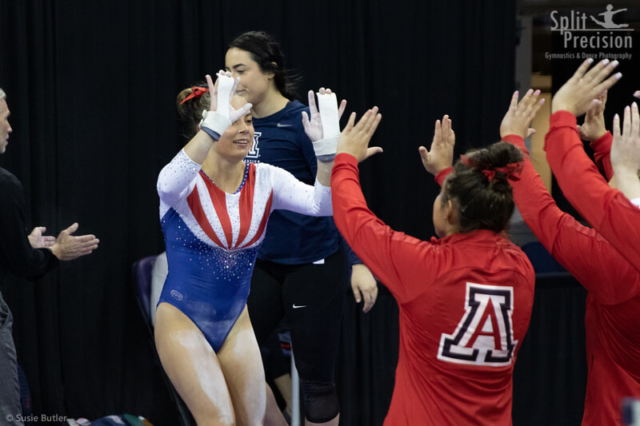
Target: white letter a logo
484,335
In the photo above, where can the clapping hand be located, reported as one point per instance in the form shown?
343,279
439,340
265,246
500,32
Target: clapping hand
69,247
37,240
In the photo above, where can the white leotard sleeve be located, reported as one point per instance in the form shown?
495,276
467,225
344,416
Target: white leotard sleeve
291,194
176,178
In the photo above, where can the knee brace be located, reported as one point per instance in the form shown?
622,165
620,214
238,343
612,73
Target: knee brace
320,401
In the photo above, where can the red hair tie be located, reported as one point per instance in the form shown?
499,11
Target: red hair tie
512,170
197,92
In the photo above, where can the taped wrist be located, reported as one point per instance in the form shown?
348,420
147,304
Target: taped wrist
214,124
325,148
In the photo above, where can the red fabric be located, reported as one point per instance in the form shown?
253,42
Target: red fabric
219,200
602,153
613,305
246,204
605,208
430,280
198,212
440,177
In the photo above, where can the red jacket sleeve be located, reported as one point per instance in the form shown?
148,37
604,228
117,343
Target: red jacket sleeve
605,208
581,250
398,260
602,153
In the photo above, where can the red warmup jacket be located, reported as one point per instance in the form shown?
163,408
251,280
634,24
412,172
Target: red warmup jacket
612,319
605,208
465,302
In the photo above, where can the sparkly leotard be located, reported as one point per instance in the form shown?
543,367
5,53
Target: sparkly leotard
213,237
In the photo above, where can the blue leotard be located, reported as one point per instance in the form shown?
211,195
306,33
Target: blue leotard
213,237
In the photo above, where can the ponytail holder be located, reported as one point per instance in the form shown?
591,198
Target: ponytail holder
512,170
197,92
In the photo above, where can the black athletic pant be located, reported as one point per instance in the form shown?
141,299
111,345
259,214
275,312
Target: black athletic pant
311,298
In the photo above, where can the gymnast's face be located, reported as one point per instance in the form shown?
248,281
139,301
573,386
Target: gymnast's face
5,127
254,83
237,140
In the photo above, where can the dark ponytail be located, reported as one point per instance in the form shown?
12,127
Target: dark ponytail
266,51
483,194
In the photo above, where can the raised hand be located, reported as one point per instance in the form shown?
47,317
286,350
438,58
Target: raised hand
593,127
69,247
579,94
221,114
625,150
520,114
313,125
37,240
441,155
355,138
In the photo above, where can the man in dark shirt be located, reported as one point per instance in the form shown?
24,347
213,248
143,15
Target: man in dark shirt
28,256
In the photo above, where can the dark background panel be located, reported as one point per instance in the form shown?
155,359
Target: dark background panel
92,86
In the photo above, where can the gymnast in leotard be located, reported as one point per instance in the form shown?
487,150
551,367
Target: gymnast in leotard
214,208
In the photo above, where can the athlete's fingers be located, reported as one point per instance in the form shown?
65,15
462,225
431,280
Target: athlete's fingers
582,69
592,74
424,155
356,291
437,133
635,120
305,120
343,106
313,109
514,101
604,72
370,125
531,132
70,230
626,124
525,101
444,131
616,126
361,123
637,94
350,123
452,138
374,125
534,110
608,83
368,301
373,151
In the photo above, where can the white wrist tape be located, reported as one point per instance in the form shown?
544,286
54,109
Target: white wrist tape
325,148
225,84
212,120
328,107
636,201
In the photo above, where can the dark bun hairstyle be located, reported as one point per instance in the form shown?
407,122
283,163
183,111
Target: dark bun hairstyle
266,51
484,202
